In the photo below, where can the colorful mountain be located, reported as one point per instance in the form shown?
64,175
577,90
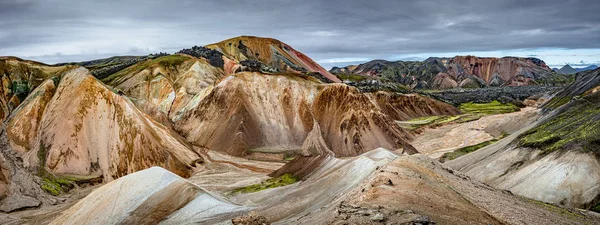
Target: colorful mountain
271,52
460,71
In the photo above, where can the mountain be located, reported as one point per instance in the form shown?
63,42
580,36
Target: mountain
554,159
567,70
79,127
270,52
460,71
251,131
592,67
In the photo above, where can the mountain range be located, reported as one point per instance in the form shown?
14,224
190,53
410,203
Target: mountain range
568,70
459,71
251,131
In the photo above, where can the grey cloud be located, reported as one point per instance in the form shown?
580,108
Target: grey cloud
363,29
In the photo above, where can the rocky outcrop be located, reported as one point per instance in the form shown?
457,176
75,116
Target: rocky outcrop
271,52
87,130
505,94
19,187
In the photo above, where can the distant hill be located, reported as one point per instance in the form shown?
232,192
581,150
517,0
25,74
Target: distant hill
459,71
567,70
592,67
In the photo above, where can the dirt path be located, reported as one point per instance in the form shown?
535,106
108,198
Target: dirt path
437,141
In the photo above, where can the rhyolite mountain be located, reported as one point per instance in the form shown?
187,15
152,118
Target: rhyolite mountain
459,71
278,56
104,119
185,138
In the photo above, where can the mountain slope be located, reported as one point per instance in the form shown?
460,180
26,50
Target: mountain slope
19,78
270,52
86,130
163,85
553,160
377,187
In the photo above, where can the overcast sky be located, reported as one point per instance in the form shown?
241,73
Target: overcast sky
331,32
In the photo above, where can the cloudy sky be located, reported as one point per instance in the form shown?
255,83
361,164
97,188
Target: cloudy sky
331,32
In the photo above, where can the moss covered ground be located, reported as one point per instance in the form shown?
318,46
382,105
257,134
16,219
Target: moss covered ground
352,77
466,150
577,127
434,121
281,181
57,185
494,107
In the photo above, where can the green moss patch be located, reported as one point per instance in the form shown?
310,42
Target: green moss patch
577,127
556,209
466,150
57,185
352,77
434,121
281,181
494,107
557,102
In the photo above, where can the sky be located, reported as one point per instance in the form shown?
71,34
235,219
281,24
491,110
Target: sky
332,32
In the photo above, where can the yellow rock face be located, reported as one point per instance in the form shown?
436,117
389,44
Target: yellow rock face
88,130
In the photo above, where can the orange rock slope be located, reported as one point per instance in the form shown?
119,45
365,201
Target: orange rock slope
272,53
252,112
85,129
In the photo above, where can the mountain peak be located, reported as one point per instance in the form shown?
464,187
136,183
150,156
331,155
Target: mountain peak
567,69
271,52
